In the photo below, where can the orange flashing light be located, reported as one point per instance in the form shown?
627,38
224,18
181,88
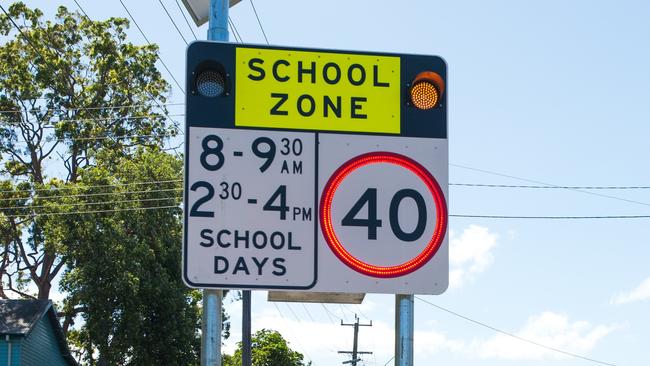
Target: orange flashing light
426,90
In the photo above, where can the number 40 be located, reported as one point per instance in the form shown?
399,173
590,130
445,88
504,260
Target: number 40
369,198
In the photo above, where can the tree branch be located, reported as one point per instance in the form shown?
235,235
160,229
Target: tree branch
23,253
20,293
56,270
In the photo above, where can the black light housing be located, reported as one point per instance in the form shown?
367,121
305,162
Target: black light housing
210,80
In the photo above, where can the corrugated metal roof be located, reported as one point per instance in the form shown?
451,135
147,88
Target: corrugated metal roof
17,317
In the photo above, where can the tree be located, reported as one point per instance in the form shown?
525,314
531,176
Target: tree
56,77
268,348
86,191
124,268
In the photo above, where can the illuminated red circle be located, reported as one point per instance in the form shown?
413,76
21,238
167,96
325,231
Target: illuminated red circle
366,268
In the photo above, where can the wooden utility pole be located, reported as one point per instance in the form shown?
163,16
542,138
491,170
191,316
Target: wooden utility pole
355,353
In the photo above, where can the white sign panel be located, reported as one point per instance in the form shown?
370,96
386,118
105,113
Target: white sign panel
316,211
386,226
315,170
251,221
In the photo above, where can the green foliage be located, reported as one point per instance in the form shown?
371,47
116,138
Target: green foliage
268,348
82,126
56,76
124,266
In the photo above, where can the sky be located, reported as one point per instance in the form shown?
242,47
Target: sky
552,92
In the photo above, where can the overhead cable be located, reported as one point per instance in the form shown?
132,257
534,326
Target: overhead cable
545,187
550,185
185,17
92,212
98,194
259,22
149,43
234,30
88,203
512,335
94,186
89,108
554,217
173,22
157,56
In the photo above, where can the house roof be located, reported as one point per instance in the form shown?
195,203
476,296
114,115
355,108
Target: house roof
18,317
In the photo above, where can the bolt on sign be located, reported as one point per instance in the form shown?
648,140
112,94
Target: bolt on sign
315,170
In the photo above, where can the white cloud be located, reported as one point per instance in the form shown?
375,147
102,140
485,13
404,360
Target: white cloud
320,339
470,254
432,341
549,329
642,292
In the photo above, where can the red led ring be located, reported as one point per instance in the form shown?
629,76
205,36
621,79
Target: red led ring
369,269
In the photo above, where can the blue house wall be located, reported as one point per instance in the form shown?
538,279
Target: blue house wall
40,347
15,351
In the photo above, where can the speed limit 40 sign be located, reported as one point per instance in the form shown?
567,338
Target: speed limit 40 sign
315,170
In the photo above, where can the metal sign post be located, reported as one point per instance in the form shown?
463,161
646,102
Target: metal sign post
213,299
404,330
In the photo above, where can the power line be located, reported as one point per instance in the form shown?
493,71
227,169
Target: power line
327,312
162,135
173,22
545,187
29,41
89,108
342,308
554,217
513,335
88,203
548,184
259,22
185,17
95,186
234,26
149,43
157,55
360,312
41,55
308,313
292,312
91,212
97,119
297,340
85,195
343,313
234,30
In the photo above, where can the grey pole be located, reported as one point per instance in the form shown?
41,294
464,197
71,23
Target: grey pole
212,299
211,328
404,329
246,357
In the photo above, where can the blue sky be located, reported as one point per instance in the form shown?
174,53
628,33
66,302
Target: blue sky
553,91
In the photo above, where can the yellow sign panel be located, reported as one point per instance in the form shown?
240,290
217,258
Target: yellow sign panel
317,91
